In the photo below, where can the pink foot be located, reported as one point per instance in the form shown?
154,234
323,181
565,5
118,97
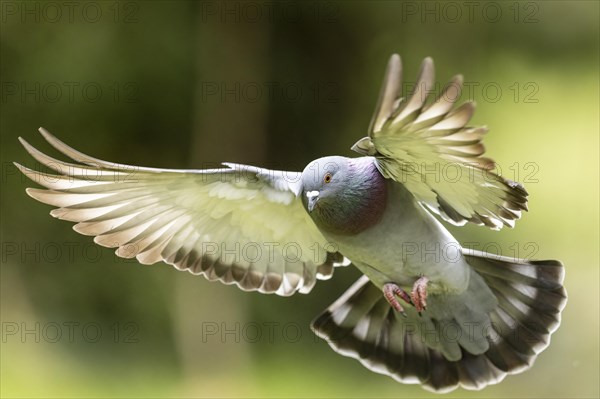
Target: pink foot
419,294
390,290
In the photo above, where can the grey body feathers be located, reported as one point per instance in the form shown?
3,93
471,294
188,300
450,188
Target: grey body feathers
487,316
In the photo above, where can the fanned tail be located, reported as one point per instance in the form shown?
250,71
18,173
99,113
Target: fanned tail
530,296
435,352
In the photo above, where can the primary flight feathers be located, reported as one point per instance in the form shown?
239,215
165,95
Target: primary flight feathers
425,144
239,225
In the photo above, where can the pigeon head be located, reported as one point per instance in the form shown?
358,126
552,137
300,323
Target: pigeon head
344,195
323,180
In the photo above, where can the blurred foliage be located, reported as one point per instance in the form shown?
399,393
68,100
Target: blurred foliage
155,63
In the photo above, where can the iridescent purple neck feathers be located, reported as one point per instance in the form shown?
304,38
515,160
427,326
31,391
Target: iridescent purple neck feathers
357,200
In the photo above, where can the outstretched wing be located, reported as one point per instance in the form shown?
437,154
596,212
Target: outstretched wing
239,225
428,147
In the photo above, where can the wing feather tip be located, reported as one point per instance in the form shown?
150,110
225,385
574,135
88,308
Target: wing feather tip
21,168
34,152
44,132
32,192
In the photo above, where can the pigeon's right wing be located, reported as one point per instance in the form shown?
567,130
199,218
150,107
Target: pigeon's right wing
239,224
428,147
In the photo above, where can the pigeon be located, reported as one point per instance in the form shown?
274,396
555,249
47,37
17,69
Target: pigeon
425,311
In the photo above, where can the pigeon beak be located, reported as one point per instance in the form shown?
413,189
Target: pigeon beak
313,197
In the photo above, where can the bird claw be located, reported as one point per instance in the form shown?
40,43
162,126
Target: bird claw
390,290
419,294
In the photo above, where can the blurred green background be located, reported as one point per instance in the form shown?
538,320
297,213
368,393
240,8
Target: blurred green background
188,84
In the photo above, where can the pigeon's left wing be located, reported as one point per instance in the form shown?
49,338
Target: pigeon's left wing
428,147
239,224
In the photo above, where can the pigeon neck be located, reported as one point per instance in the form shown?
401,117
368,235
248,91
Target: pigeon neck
361,202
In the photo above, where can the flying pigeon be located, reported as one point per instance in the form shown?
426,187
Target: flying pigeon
425,311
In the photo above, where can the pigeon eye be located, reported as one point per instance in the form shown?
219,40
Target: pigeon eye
327,178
